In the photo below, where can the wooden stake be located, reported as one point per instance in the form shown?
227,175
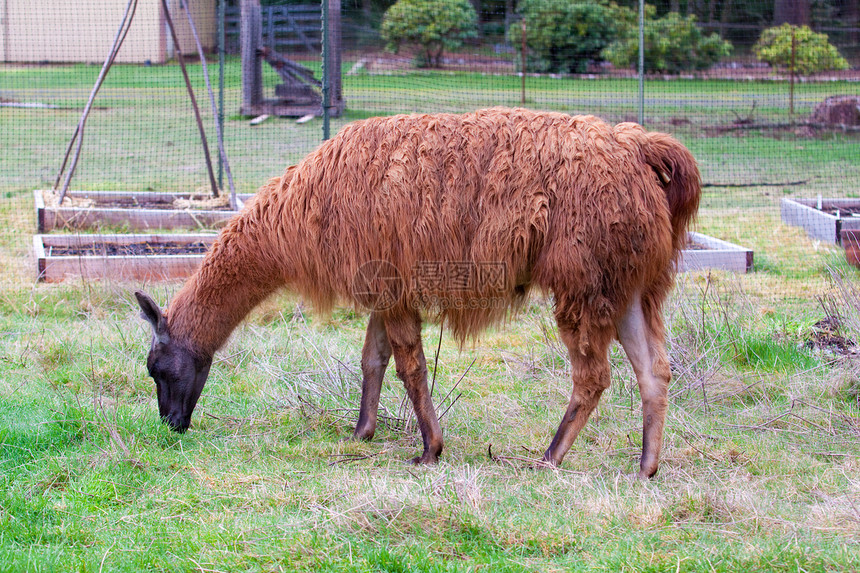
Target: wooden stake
181,60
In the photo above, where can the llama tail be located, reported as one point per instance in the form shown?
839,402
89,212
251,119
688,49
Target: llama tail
678,173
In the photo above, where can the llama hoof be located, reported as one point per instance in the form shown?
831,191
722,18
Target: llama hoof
425,459
547,461
644,475
361,436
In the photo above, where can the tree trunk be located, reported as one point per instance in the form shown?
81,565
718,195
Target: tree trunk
797,12
851,17
726,16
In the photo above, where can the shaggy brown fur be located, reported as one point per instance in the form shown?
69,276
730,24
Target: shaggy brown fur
463,214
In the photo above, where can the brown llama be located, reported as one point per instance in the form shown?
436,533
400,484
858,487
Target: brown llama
455,217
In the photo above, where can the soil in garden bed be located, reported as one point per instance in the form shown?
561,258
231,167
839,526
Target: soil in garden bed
132,249
142,201
165,205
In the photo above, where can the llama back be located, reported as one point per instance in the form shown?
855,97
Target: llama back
440,201
463,213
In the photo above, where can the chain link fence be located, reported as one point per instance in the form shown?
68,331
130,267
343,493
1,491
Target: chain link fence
764,126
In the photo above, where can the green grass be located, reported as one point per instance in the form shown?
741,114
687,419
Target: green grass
761,454
758,473
142,134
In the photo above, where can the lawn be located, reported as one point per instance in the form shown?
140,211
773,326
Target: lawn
762,447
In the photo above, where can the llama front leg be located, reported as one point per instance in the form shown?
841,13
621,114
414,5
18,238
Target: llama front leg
643,340
590,372
404,335
374,361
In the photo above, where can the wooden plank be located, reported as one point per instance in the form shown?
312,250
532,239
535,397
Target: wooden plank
295,29
85,241
705,259
130,197
285,26
286,29
52,268
251,38
132,267
128,214
289,45
828,203
273,108
303,8
718,254
714,243
39,201
39,253
819,224
268,24
142,270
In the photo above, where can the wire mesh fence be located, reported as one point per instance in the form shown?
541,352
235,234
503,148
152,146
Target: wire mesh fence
767,123
762,327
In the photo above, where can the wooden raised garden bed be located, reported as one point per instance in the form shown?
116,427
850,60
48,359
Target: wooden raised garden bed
823,219
706,252
150,257
120,257
134,211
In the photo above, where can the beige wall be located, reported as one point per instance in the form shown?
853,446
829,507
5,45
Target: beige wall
84,30
205,16
2,30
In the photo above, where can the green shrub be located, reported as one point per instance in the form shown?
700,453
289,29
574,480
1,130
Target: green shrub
812,52
566,35
673,44
434,25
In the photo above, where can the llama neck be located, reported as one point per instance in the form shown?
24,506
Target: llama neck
235,277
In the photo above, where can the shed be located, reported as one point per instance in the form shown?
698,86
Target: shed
73,31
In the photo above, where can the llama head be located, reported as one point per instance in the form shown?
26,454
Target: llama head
178,372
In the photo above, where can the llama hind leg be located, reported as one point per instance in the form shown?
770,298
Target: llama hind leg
404,335
590,372
374,361
641,334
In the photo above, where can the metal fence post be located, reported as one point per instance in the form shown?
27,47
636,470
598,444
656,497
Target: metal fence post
221,48
326,82
524,61
641,62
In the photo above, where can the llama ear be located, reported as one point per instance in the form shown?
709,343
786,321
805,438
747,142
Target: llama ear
150,312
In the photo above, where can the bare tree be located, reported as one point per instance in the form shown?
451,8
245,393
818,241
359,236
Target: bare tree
797,12
851,17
